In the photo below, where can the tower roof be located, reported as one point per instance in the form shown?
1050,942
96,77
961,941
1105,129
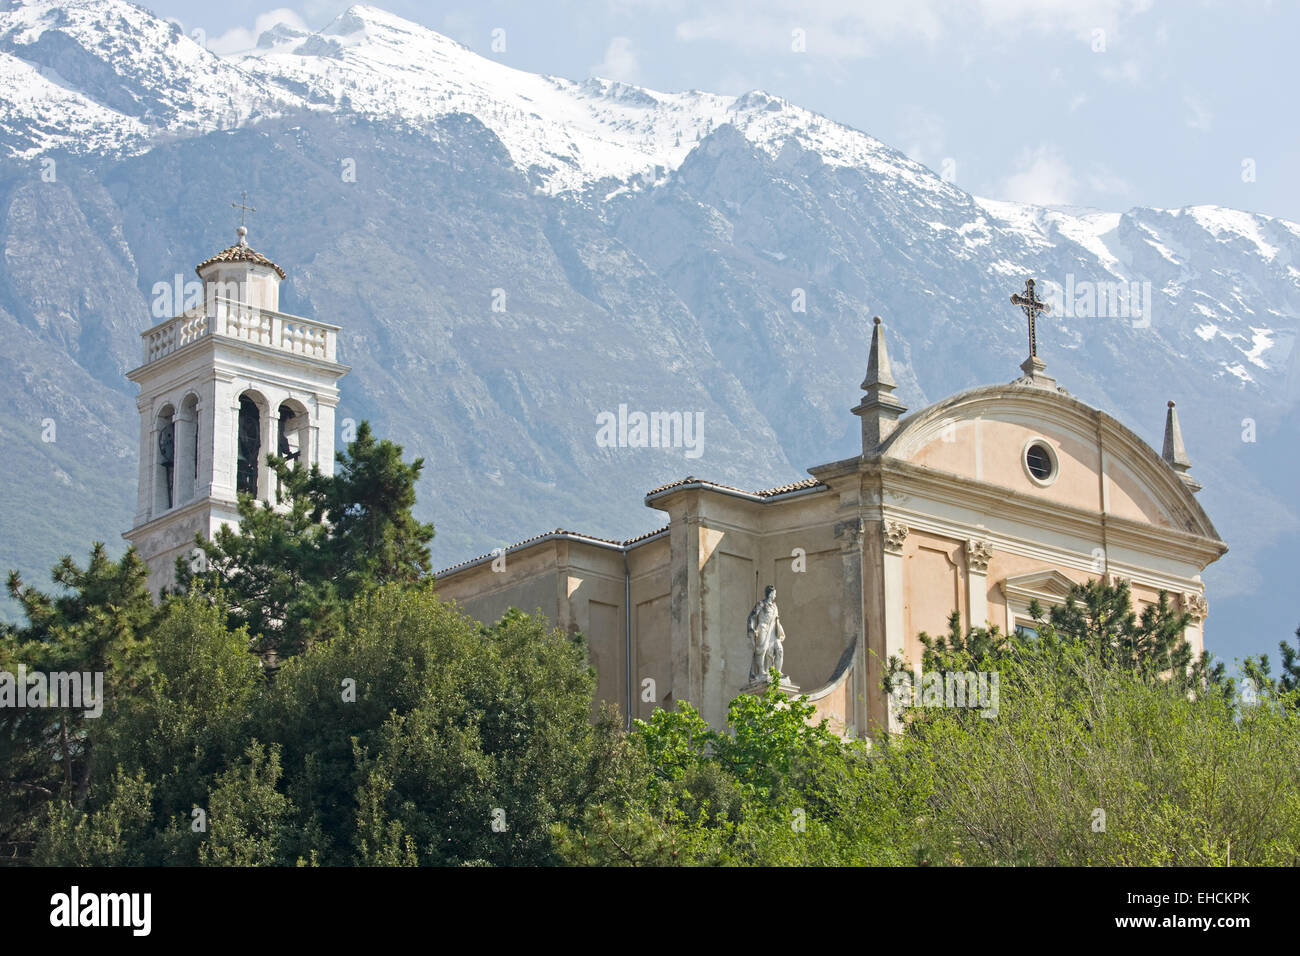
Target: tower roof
240,252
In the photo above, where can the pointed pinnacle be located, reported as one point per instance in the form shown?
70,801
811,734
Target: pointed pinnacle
1174,452
879,374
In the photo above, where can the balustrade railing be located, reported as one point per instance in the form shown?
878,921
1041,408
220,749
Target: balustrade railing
239,320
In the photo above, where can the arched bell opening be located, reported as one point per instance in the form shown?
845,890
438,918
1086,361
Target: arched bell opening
187,450
248,461
164,451
293,434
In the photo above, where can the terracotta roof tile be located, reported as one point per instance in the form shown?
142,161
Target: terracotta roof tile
643,537
765,493
519,544
240,252
806,483
794,486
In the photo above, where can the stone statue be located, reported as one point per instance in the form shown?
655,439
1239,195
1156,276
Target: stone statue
764,629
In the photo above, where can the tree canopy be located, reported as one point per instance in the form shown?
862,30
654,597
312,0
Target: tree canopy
288,569
304,698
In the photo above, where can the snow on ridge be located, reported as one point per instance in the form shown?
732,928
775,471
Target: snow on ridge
1219,220
1020,218
47,109
1261,340
574,134
1090,229
568,135
174,84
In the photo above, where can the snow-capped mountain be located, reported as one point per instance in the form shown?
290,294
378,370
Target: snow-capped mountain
108,77
651,246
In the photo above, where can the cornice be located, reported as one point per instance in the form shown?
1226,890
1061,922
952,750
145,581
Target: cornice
213,344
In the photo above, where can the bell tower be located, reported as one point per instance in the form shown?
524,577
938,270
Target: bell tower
222,385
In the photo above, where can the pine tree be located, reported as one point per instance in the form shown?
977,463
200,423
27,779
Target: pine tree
288,570
1095,620
1101,617
95,625
1259,670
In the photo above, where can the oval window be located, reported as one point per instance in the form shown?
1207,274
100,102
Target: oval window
1039,461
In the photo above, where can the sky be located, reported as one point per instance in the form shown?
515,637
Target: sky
1108,104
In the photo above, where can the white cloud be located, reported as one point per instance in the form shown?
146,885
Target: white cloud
1129,71
839,28
460,26
620,61
1042,177
1078,17
1102,182
1200,117
733,83
242,39
856,28
922,132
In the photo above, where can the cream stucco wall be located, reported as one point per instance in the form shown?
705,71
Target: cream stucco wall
581,587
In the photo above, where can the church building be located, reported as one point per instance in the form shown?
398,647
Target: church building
979,504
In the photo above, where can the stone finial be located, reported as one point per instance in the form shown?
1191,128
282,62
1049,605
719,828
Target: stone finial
879,409
879,374
1174,452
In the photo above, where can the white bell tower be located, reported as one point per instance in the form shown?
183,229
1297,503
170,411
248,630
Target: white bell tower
223,385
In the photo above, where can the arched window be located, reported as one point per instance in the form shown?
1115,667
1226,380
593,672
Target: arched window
250,446
187,450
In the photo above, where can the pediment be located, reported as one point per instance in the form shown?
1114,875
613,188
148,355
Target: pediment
1048,587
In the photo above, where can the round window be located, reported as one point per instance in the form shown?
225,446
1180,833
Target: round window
1040,461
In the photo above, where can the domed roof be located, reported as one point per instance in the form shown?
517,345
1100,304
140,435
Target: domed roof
240,252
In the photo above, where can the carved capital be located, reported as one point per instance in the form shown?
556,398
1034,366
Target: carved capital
895,533
1196,605
979,552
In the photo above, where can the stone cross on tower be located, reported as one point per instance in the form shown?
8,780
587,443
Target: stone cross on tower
243,208
1030,304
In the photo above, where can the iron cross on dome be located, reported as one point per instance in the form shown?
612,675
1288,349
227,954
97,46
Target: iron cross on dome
1032,306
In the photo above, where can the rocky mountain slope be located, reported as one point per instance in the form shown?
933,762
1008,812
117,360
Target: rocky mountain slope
650,249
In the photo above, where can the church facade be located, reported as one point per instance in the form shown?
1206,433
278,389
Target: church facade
979,504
